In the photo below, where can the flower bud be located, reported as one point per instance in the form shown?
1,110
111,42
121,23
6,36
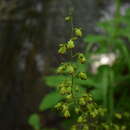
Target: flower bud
81,58
78,32
66,114
77,110
74,38
58,105
94,113
63,90
70,69
61,69
73,127
70,44
82,76
69,97
67,19
118,115
62,49
80,119
85,127
82,101
65,107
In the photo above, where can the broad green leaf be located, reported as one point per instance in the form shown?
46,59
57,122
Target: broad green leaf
94,38
97,94
34,121
88,82
53,81
50,100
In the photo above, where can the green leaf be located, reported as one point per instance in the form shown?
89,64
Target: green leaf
81,67
34,121
50,100
88,82
97,94
53,81
94,38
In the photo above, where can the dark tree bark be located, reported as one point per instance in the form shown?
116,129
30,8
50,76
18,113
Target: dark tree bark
29,28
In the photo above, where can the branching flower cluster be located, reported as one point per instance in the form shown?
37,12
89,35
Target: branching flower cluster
86,110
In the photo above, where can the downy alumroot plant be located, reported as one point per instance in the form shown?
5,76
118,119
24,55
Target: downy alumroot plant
76,103
86,110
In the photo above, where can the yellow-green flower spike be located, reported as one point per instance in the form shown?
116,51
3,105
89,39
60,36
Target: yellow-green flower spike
78,32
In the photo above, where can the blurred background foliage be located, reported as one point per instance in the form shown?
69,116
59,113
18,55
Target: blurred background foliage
30,31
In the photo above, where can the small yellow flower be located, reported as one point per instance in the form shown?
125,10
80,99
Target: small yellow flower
70,69
60,69
78,32
85,127
82,101
67,19
58,105
118,116
69,97
66,114
80,119
73,127
65,107
81,58
70,44
62,49
63,90
77,110
74,38
82,76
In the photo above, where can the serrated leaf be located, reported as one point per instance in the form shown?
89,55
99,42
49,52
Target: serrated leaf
50,100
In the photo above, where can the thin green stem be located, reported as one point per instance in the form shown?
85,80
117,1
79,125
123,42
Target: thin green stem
72,76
